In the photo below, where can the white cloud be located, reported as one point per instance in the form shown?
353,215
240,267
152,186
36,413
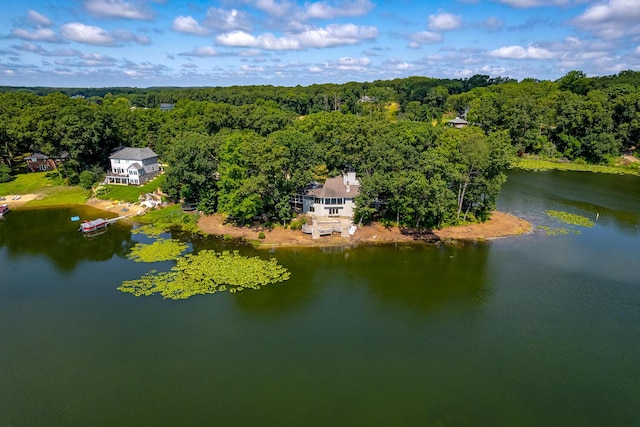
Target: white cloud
87,34
273,7
38,19
118,9
39,34
336,35
329,36
87,60
318,10
398,65
203,51
424,37
324,10
251,69
492,23
187,24
263,41
127,36
611,20
444,22
251,53
538,3
227,20
492,71
30,47
348,63
519,52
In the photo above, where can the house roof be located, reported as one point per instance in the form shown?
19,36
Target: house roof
38,156
335,187
136,165
131,153
458,121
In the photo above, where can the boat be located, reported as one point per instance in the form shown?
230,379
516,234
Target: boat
4,208
94,225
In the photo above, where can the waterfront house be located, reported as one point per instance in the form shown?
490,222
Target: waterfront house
39,162
133,166
458,122
334,198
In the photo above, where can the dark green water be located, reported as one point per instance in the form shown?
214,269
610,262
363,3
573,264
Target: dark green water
531,330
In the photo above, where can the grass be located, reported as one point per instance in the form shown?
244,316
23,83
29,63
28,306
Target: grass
544,165
128,193
48,185
61,196
30,183
170,217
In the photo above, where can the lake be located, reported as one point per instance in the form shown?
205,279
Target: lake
530,330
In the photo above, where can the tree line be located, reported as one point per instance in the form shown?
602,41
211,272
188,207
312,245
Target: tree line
245,151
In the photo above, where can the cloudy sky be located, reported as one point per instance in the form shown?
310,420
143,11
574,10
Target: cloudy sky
142,43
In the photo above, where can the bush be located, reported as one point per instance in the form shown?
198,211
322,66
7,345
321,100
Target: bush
5,176
297,224
86,179
261,235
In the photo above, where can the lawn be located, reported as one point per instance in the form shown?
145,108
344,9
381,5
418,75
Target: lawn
128,193
48,185
28,183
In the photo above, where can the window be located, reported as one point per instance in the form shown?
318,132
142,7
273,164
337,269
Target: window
333,211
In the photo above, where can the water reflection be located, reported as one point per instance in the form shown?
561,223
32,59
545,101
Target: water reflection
50,232
426,278
615,198
421,278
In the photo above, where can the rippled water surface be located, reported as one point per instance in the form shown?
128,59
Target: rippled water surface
530,330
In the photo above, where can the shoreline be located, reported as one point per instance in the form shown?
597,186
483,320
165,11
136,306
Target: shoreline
499,225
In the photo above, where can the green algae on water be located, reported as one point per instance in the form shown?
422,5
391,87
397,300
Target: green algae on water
160,250
208,272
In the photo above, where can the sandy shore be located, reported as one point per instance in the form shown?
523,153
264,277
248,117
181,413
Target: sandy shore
24,198
499,225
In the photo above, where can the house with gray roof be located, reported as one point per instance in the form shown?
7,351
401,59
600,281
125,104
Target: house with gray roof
334,198
458,123
40,162
133,166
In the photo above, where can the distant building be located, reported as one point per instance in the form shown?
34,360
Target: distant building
458,123
334,198
166,107
133,166
40,162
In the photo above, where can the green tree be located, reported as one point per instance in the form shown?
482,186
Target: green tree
192,175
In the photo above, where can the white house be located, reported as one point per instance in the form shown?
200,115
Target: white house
133,166
334,198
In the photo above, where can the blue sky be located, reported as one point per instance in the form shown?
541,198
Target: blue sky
142,43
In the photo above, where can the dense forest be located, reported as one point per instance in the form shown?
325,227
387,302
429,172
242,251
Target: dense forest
245,151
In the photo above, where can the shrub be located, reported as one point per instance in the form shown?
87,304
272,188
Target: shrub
86,179
298,223
261,235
